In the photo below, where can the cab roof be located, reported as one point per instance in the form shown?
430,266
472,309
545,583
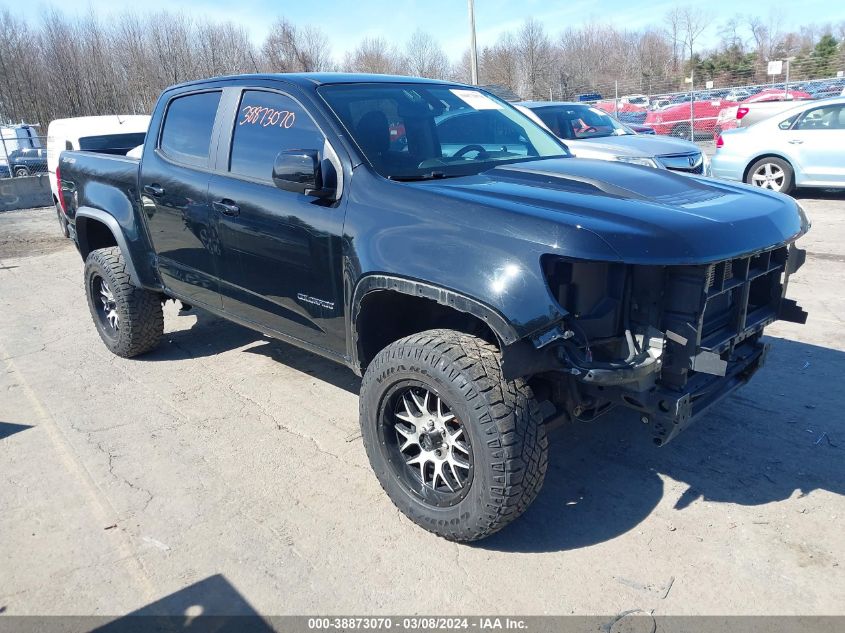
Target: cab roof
313,80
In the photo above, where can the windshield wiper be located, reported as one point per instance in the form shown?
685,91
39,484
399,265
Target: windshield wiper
432,175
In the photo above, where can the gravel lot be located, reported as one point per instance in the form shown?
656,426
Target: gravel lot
226,470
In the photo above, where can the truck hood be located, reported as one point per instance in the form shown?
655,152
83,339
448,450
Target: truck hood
644,215
632,145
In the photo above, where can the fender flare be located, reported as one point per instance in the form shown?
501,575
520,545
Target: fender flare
105,218
460,302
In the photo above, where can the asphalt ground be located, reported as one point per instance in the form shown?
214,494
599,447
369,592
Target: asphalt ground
225,470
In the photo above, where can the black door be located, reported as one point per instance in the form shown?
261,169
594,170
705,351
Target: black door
174,192
282,268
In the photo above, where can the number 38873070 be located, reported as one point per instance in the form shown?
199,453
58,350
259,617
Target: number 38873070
267,117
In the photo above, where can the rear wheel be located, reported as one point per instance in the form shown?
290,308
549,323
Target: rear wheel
128,319
772,173
62,220
459,449
21,171
681,131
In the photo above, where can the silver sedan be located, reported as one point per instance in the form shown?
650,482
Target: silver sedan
800,147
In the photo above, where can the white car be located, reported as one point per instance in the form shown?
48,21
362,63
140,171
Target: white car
801,147
111,134
737,94
637,100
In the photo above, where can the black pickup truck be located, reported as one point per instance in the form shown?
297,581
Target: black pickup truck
453,253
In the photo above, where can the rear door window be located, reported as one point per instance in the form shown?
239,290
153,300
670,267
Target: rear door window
266,124
186,135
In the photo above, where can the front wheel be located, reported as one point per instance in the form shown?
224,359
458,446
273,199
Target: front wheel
772,173
129,319
458,448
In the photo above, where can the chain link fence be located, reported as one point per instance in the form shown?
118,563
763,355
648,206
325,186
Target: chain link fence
23,151
700,115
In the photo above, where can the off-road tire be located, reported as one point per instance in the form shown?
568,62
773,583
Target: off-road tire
502,419
139,310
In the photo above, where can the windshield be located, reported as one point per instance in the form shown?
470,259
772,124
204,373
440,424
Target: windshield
417,131
578,121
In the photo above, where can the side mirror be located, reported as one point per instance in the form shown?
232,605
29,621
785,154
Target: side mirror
298,171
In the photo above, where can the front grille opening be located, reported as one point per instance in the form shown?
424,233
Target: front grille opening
764,291
718,313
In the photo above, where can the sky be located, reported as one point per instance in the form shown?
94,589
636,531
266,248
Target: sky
346,22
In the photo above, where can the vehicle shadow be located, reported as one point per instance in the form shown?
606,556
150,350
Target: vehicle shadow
212,604
7,429
782,432
211,335
208,336
813,193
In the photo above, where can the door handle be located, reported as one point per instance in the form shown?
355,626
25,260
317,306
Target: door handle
155,191
795,141
226,207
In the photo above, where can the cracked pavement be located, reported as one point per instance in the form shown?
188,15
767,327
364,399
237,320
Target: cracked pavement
226,454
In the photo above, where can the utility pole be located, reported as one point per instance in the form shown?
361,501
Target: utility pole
473,52
616,98
691,99
786,85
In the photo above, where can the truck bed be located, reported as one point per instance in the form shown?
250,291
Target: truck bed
98,181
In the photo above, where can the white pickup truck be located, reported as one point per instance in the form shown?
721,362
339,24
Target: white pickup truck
756,109
109,134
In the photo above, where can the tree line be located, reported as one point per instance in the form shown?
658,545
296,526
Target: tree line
65,65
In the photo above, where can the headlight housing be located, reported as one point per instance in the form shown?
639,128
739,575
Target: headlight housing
638,160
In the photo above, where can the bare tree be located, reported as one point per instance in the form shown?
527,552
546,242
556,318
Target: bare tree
694,21
673,23
535,57
375,55
291,49
499,64
424,56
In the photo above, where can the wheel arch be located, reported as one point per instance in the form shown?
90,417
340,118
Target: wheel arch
97,229
379,299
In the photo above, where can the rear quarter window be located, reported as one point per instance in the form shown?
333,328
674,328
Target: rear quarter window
188,123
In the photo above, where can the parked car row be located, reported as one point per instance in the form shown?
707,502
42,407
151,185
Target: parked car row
713,110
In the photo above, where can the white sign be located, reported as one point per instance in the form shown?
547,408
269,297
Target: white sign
476,100
775,68
709,85
839,73
687,80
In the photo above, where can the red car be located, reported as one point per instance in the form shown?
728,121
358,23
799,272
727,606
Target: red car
674,120
608,106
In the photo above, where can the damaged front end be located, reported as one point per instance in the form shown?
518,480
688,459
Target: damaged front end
667,341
